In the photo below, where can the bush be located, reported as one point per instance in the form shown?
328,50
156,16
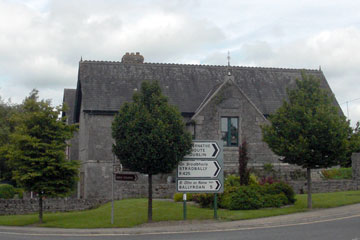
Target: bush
178,197
281,187
19,192
247,197
204,199
269,180
257,196
276,200
253,180
7,191
232,181
337,173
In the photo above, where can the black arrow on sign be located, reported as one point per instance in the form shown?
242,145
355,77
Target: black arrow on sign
216,149
218,185
217,168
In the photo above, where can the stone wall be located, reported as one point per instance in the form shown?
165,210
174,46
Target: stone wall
325,186
24,206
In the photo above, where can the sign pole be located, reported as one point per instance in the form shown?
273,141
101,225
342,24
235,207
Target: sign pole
215,206
184,206
112,193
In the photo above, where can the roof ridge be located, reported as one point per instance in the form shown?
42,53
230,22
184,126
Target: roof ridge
202,65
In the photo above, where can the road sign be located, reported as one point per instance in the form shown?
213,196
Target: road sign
198,169
203,150
198,185
125,177
202,170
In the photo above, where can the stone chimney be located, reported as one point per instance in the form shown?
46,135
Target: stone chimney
132,58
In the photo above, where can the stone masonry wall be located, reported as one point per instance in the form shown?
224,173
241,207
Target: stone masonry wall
24,206
325,186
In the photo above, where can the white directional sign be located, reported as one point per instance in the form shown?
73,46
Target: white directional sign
198,169
204,149
198,185
202,170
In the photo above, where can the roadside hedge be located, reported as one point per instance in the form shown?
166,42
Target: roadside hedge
254,196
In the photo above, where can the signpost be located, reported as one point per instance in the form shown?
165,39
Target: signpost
198,169
201,171
126,177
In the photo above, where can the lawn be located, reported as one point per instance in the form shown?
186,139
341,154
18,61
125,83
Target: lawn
132,212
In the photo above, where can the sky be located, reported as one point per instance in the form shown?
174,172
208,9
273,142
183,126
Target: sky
42,41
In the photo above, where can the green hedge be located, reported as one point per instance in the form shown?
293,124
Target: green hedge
7,191
337,173
255,196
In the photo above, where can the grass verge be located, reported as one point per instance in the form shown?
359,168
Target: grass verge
132,212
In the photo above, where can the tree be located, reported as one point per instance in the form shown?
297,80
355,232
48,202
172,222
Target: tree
37,151
150,135
354,145
7,110
308,130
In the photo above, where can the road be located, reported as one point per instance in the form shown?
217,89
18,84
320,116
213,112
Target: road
338,223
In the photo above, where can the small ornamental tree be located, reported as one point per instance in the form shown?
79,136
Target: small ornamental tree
308,130
150,135
37,151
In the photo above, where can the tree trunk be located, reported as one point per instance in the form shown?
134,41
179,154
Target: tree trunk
40,209
309,200
150,199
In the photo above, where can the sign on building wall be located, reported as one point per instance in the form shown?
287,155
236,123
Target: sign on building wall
201,171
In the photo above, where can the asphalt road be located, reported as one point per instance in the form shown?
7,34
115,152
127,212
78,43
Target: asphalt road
343,228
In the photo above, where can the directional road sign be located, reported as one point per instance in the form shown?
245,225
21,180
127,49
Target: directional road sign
202,170
126,177
198,169
205,185
204,149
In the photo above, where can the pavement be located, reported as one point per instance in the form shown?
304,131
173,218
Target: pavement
309,217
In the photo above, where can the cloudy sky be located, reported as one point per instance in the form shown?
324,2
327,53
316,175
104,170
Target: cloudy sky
42,41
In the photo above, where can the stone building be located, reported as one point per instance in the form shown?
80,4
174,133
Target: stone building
217,102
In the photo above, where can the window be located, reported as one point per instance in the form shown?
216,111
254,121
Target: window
229,131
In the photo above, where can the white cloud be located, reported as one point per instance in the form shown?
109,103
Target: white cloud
41,41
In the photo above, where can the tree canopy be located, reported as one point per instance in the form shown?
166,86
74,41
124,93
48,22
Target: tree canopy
149,134
37,150
308,130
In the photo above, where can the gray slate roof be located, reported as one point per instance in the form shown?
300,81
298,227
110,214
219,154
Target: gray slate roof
69,100
105,86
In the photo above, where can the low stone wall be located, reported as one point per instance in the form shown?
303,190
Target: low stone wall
325,186
140,190
24,206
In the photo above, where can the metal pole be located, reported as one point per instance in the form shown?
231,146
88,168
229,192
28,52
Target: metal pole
184,208
215,206
112,193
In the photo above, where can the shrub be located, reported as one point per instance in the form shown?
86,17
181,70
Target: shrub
281,187
337,173
178,197
204,199
276,200
7,191
253,180
19,192
232,181
269,180
247,197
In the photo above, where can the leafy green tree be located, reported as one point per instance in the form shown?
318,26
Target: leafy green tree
150,135
308,129
37,151
7,109
354,145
